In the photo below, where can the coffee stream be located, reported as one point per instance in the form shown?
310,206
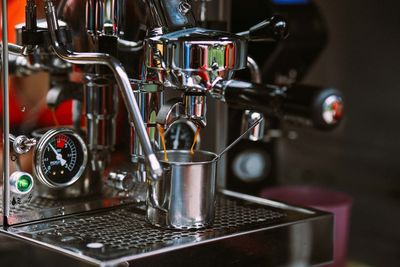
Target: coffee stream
196,135
162,135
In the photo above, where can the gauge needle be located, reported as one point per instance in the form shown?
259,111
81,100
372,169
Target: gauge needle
176,141
58,156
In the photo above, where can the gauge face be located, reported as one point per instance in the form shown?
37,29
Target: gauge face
180,136
60,158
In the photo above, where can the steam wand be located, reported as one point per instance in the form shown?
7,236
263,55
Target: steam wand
121,79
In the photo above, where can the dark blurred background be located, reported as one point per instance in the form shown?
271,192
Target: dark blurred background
360,57
362,156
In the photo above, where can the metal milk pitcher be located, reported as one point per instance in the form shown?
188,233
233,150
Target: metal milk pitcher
184,198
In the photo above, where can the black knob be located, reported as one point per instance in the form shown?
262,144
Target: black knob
316,106
273,29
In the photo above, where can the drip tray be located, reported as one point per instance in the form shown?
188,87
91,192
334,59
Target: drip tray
247,230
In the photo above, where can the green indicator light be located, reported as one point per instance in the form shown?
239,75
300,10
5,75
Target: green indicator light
24,183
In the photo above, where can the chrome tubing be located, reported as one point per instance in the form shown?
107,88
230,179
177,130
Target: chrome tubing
151,98
249,116
196,108
14,49
120,77
6,119
255,72
101,108
18,62
30,15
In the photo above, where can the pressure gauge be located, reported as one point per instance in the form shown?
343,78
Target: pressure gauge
180,135
60,158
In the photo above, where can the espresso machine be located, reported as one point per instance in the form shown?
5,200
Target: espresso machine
164,203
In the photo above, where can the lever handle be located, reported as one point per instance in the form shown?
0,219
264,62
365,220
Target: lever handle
273,29
318,107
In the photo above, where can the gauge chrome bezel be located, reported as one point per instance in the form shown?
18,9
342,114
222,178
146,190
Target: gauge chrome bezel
38,157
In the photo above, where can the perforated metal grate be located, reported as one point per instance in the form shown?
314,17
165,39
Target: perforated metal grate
138,194
35,204
125,230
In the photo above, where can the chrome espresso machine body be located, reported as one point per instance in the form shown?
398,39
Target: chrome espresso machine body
151,54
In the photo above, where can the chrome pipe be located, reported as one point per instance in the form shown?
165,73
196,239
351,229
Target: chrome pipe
203,10
14,49
76,114
121,78
101,108
157,21
18,63
170,112
196,108
12,138
255,72
30,15
6,118
150,98
90,16
248,117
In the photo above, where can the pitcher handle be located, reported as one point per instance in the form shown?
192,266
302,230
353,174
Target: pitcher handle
153,196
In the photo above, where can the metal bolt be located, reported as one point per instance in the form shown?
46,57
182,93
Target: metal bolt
184,7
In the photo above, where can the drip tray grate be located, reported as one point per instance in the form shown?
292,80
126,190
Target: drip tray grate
124,231
39,203
34,205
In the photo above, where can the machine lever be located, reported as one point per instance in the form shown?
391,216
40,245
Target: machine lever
273,29
319,107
